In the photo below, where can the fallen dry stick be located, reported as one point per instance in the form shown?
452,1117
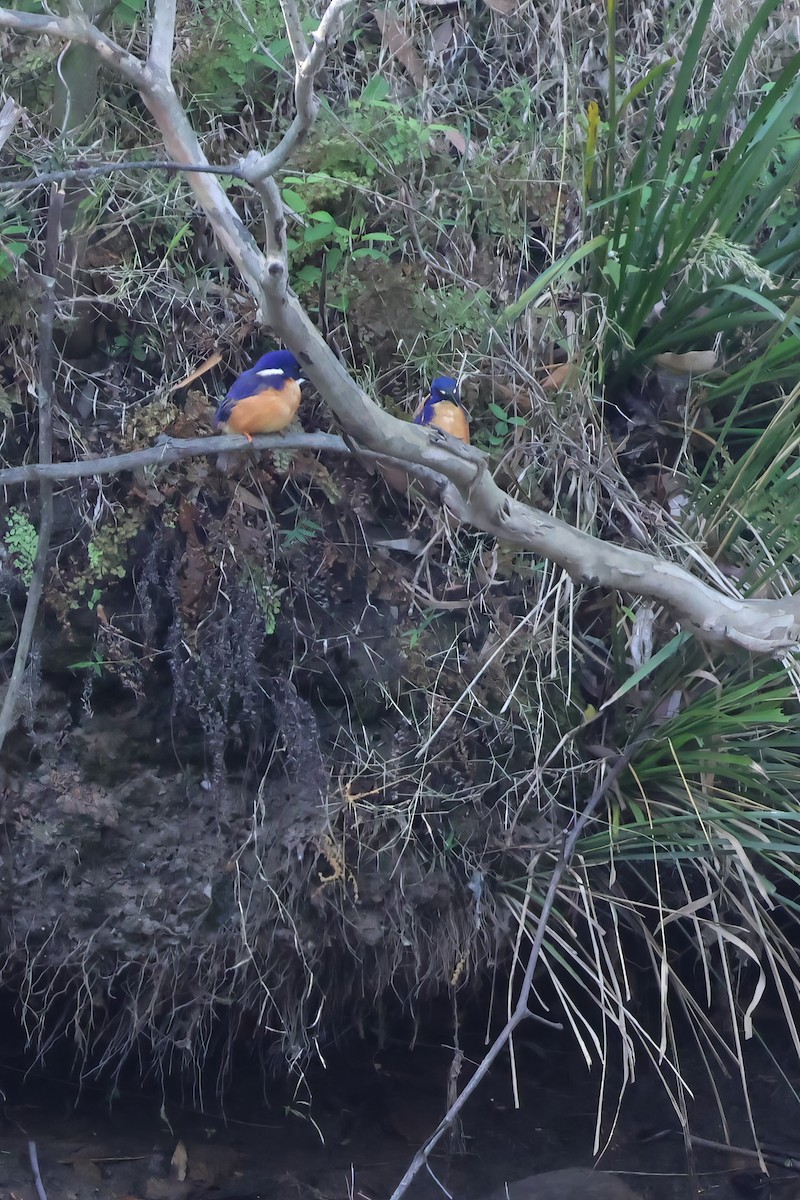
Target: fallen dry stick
521,1010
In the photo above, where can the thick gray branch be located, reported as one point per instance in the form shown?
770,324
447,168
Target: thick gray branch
162,38
307,66
761,626
771,626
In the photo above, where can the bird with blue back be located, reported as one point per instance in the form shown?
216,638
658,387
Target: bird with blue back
443,409
265,398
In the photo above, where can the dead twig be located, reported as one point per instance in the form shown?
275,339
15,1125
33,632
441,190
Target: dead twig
522,1009
169,450
109,168
8,714
774,1155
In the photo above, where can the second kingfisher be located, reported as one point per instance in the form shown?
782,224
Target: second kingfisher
264,399
444,410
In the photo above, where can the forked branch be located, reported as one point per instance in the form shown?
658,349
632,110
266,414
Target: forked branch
760,626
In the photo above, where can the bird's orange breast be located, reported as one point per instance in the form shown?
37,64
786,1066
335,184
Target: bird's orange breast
268,411
451,418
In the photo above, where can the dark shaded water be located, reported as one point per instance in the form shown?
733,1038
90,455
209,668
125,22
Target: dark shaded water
369,1114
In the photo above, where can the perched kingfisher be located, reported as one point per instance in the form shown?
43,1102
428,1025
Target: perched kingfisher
444,409
264,399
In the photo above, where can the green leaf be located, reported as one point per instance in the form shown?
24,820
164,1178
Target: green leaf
319,233
377,89
548,278
294,200
646,669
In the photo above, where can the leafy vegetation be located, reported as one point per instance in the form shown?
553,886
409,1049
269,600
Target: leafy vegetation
440,704
698,234
22,542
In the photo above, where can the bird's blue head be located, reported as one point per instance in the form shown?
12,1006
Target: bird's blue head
278,365
444,387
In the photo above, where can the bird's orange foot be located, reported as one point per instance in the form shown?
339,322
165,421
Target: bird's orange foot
249,437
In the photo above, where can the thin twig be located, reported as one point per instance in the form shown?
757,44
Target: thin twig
773,1155
521,1011
37,1175
8,714
71,173
170,450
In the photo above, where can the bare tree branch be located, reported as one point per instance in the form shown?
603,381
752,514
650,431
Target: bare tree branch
294,32
8,713
162,38
77,29
762,626
307,66
169,450
78,173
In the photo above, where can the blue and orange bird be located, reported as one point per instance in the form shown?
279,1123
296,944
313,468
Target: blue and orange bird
264,399
444,410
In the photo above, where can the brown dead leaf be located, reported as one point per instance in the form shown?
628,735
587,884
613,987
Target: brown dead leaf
196,414
560,376
694,362
249,499
211,362
457,140
399,44
179,1163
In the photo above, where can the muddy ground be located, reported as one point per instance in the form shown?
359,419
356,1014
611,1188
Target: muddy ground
371,1109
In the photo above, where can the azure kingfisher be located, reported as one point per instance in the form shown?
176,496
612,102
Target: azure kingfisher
444,409
264,399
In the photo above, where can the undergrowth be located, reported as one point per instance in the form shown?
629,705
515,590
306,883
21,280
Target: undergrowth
396,719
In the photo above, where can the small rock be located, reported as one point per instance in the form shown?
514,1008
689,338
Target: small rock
574,1183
